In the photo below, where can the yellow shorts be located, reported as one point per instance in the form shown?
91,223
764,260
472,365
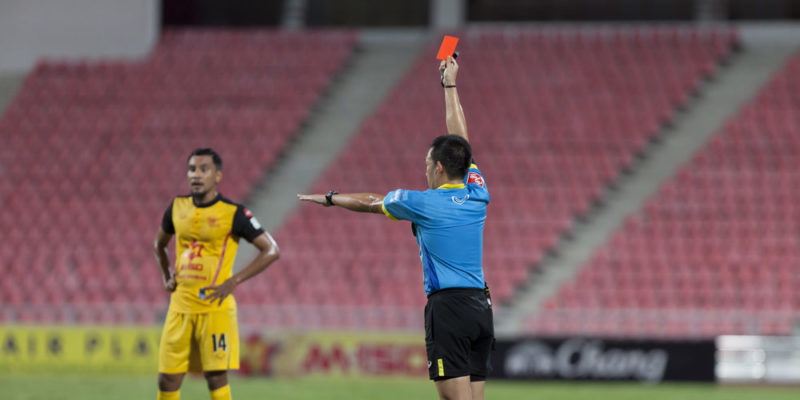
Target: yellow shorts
199,342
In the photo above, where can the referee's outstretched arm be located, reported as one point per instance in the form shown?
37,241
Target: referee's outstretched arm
456,124
359,202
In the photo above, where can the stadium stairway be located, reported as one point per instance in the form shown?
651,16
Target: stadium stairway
764,51
9,85
381,58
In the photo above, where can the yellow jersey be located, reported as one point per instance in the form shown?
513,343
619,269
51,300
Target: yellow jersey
206,239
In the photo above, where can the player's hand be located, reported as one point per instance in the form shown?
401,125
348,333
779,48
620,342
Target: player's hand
314,198
170,284
220,292
448,70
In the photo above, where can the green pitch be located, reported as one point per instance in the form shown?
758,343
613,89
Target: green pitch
91,387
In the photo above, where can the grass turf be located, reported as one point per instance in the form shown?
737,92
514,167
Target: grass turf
90,387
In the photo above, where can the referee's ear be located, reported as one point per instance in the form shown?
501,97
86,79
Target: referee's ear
218,176
440,170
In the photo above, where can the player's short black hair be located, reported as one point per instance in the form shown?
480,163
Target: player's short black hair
205,151
455,154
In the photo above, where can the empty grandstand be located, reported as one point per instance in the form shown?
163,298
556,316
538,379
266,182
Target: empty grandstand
93,151
714,251
545,161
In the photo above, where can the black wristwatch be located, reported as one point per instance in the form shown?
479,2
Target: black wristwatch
329,197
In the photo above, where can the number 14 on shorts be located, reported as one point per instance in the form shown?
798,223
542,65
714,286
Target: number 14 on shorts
219,342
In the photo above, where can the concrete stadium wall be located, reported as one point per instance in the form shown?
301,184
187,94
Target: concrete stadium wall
33,29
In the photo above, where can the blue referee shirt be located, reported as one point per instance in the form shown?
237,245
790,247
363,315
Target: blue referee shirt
448,224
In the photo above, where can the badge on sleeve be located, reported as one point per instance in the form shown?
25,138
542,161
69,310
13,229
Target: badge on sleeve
253,220
476,178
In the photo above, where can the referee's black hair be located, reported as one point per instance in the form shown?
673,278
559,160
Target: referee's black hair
455,154
207,152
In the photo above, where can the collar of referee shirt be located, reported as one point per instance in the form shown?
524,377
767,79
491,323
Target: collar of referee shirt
452,186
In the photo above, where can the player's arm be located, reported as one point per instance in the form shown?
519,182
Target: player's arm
454,114
268,254
358,202
162,258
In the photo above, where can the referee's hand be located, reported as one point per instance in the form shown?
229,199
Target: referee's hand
314,198
448,69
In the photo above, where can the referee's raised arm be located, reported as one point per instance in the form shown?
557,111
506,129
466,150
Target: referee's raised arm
456,124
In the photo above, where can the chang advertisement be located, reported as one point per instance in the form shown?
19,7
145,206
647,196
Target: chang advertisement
598,359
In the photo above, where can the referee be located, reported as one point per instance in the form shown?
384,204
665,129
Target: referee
447,221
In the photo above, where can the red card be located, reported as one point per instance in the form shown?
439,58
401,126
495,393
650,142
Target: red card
447,48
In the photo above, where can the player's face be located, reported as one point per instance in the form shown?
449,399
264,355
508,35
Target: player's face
203,175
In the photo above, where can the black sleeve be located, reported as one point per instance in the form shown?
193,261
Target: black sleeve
245,225
166,222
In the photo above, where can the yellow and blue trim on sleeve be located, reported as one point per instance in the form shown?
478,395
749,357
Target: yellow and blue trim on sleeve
388,214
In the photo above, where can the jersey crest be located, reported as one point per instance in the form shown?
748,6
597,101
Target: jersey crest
253,221
476,178
461,200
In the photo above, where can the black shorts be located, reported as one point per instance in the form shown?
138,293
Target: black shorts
459,334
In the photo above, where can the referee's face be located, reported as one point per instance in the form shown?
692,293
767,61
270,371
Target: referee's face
203,175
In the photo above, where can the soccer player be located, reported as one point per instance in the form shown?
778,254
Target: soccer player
200,332
447,221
